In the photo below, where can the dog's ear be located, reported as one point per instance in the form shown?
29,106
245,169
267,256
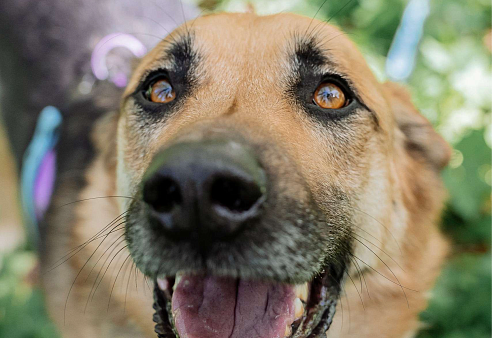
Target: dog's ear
421,140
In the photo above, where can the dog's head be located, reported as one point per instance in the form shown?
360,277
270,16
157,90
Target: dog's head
258,150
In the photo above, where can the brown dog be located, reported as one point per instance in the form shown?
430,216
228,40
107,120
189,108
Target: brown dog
265,179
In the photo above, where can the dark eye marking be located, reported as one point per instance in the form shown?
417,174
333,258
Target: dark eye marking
325,96
162,89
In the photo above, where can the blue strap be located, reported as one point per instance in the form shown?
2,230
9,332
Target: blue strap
44,140
401,56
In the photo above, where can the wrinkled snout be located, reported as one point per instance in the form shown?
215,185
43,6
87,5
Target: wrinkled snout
204,192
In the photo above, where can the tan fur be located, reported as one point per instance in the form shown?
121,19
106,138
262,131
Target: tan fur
396,191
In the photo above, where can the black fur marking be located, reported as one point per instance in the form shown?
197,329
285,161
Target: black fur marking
181,74
309,61
309,54
75,153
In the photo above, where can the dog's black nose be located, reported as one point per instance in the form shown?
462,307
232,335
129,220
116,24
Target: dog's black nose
204,192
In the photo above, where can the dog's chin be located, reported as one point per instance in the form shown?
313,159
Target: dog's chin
201,305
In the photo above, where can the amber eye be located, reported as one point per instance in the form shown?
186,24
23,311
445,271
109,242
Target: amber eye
161,91
329,96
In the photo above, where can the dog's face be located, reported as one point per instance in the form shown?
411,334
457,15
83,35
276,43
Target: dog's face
257,150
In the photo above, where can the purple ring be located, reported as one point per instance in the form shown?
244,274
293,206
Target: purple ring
108,43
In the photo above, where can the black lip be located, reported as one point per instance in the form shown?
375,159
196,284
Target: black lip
320,308
162,315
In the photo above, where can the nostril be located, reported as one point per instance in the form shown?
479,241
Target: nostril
162,194
234,194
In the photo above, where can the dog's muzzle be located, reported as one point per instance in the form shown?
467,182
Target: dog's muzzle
232,253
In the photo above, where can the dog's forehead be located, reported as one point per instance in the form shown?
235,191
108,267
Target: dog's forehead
265,47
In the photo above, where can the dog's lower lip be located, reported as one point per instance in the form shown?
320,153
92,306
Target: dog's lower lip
313,312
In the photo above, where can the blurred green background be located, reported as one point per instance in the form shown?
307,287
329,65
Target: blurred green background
451,85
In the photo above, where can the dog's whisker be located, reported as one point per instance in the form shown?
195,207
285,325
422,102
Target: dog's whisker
314,17
388,279
116,279
359,275
387,266
108,266
198,16
160,25
94,198
80,271
112,230
130,264
125,283
136,272
113,247
380,223
380,249
136,277
95,264
351,234
184,18
348,308
166,13
324,22
78,248
337,36
146,279
356,289
357,266
82,246
368,233
380,273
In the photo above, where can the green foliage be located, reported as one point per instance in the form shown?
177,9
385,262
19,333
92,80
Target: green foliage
22,312
461,300
467,199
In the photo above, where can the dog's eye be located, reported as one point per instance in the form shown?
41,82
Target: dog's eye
329,96
160,91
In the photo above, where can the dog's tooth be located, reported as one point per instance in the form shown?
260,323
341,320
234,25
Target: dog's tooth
288,331
177,279
298,309
302,291
163,284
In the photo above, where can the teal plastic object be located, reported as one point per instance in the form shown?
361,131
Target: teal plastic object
39,169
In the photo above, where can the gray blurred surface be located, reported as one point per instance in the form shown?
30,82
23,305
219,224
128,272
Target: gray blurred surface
45,48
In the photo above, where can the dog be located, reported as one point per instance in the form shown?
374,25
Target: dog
253,180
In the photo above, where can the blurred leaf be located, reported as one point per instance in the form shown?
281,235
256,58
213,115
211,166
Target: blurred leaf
468,191
22,312
460,304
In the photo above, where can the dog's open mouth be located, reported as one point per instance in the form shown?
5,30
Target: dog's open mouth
203,306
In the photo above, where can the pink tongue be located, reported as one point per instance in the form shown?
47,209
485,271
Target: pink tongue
219,307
